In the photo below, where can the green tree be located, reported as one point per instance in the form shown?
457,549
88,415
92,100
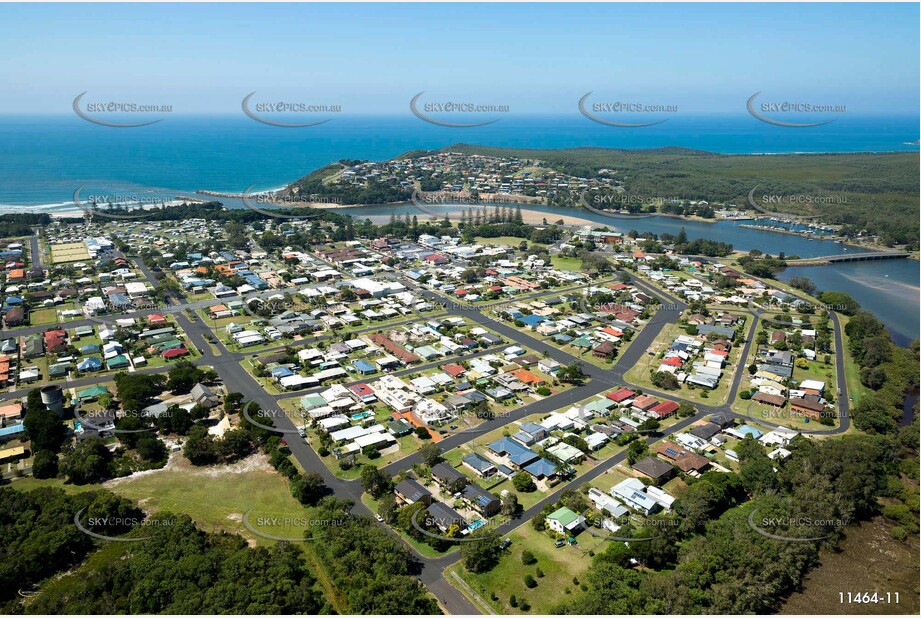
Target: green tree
481,554
524,483
45,465
430,454
45,430
87,462
375,481
199,447
308,488
152,449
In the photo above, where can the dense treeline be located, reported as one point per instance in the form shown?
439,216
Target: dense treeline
371,568
679,242
886,369
179,569
21,224
861,191
39,535
732,569
372,192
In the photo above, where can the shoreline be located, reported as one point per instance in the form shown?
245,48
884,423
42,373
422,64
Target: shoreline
528,216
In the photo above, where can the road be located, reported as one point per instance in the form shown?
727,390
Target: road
431,570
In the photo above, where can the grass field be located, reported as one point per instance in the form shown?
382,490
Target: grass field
40,317
216,497
501,241
566,263
560,566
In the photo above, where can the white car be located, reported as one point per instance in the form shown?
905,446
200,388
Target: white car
379,518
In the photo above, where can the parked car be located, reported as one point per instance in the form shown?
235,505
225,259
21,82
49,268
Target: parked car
560,543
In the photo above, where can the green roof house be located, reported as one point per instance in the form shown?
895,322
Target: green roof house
565,521
92,393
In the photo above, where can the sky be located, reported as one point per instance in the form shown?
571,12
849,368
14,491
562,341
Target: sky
538,58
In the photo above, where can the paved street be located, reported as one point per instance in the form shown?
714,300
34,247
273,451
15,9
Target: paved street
431,570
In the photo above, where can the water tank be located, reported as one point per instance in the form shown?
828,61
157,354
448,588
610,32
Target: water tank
53,398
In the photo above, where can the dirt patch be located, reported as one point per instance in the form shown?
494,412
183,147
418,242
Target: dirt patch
869,561
179,464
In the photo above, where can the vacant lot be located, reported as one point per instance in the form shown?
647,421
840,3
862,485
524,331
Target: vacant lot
560,566
217,497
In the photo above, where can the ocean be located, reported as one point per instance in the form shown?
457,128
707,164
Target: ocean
44,159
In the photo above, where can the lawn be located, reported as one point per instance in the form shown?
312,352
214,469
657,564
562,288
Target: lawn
561,567
215,497
855,389
501,241
41,317
69,252
566,263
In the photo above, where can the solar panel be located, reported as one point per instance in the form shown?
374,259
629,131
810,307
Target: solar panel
671,452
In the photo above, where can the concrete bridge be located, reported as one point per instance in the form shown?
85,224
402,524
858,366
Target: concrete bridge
848,257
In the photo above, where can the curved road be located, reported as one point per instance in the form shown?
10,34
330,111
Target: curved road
431,570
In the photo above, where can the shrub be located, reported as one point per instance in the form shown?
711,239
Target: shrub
527,557
529,581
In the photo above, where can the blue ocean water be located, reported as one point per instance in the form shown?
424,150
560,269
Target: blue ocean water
44,159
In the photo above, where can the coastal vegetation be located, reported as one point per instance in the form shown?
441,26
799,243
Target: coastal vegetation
862,192
716,562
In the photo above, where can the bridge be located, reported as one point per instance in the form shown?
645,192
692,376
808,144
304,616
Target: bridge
848,257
